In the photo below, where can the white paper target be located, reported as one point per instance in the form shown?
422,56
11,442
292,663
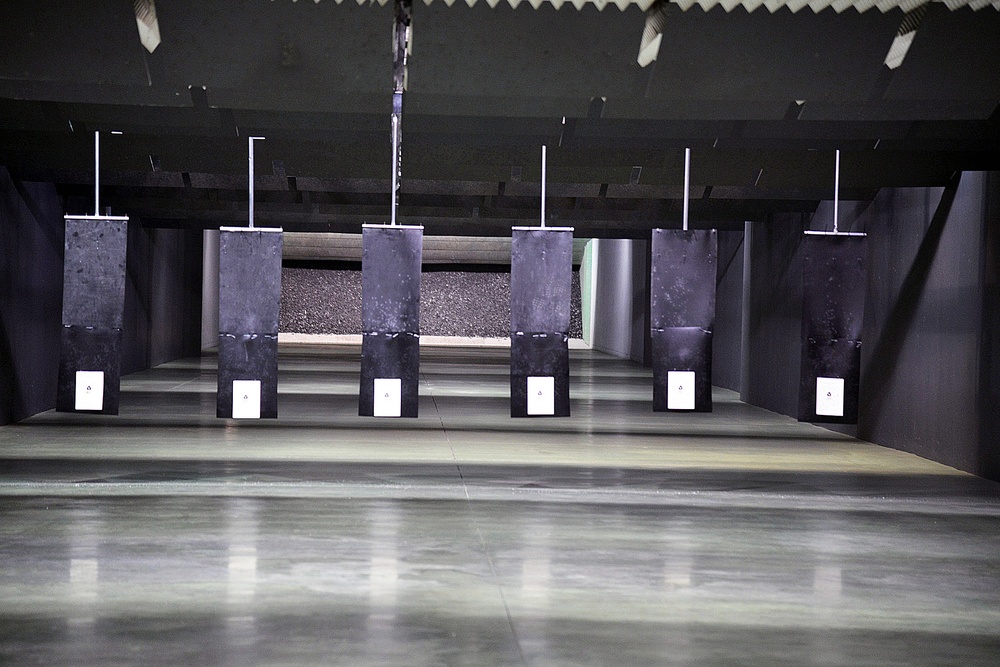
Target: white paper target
830,397
246,399
680,390
89,390
388,397
541,395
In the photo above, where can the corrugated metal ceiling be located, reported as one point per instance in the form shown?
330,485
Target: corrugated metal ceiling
729,5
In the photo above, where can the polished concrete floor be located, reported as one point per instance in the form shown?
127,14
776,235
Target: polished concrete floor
618,536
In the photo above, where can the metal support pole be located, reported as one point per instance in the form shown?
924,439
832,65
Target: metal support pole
400,50
687,185
836,194
97,173
836,208
250,141
543,185
395,167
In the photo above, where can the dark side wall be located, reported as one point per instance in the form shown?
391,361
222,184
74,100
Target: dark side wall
162,319
774,313
31,259
727,334
621,298
988,450
930,380
922,321
162,296
929,370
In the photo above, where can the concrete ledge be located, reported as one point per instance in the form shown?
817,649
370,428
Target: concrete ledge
491,250
425,341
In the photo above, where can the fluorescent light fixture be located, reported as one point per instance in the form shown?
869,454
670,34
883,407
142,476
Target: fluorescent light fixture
904,37
652,34
145,20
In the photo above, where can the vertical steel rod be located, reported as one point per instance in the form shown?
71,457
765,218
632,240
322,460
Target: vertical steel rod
402,32
543,185
97,173
395,167
250,141
836,194
687,184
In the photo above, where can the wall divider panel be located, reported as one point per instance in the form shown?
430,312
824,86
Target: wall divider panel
541,270
391,256
249,303
682,316
833,306
93,306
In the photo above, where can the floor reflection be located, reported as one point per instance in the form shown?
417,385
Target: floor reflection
467,538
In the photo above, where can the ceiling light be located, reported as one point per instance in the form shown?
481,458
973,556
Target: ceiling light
652,35
149,27
904,37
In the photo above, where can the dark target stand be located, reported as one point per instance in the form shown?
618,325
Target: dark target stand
89,379
390,319
249,304
682,313
834,277
93,306
391,257
249,299
541,272
682,316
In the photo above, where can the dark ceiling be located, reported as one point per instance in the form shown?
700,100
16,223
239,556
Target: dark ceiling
762,99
